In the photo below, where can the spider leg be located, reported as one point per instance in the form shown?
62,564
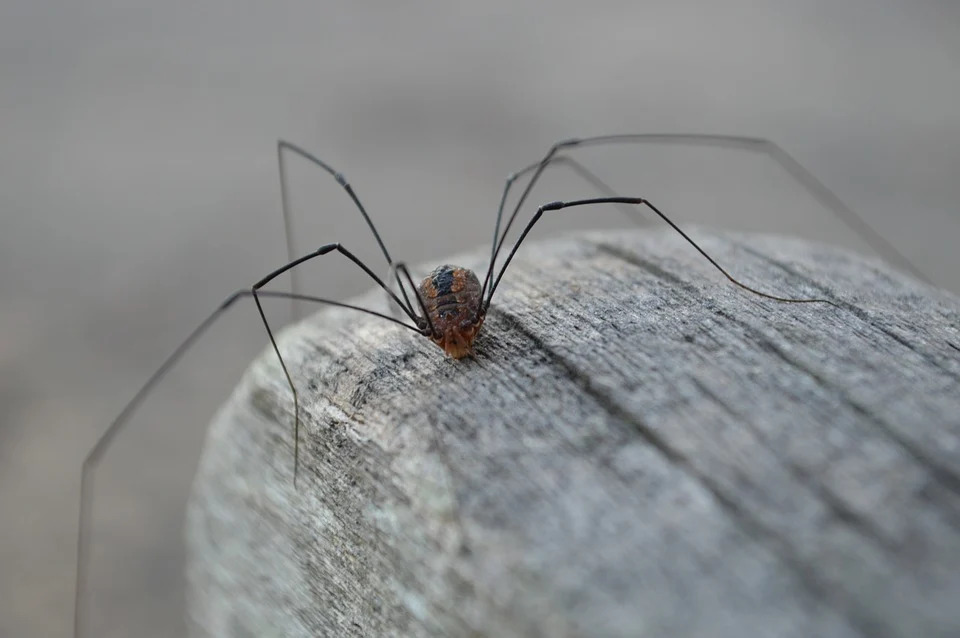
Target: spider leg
635,201
284,147
562,160
389,279
402,267
827,198
416,291
106,439
255,290
596,182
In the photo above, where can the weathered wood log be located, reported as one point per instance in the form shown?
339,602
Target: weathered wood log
640,448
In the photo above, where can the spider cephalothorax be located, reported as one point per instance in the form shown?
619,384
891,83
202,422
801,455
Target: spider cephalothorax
451,296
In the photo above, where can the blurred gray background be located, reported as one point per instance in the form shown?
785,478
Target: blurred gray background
138,187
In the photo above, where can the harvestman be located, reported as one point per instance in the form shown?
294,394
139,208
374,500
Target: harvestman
452,301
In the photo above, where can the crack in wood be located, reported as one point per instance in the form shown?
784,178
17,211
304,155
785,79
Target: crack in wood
780,546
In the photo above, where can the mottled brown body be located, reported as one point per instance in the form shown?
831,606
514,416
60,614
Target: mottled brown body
452,297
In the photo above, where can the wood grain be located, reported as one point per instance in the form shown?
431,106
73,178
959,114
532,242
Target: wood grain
639,448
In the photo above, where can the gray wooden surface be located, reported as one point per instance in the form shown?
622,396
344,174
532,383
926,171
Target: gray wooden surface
639,449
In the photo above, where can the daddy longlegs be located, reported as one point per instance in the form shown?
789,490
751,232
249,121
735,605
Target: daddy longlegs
452,302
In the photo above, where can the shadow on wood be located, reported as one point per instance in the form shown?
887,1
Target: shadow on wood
639,449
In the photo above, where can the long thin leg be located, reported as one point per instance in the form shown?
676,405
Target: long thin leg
597,183
402,267
636,201
416,291
323,250
807,180
284,146
561,160
103,443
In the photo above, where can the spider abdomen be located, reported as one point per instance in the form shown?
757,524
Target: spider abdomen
452,298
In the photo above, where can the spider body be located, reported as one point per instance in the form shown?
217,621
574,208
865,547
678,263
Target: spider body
453,302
